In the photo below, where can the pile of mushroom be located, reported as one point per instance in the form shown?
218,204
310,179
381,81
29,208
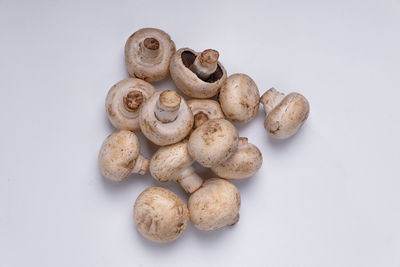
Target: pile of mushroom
188,131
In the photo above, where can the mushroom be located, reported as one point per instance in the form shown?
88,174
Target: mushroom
245,162
119,156
213,142
173,162
204,110
198,75
216,145
239,98
165,118
148,53
160,215
214,205
124,100
284,114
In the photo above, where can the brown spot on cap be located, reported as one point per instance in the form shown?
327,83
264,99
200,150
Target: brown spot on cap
209,56
209,132
170,99
133,100
151,43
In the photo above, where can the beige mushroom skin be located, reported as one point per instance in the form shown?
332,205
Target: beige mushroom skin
204,110
148,53
213,142
124,100
198,75
165,118
160,215
173,162
119,156
239,98
284,114
214,205
245,162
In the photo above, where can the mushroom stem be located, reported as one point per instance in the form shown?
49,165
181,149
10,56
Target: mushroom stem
199,119
132,101
150,49
205,63
167,106
141,166
189,180
270,99
243,141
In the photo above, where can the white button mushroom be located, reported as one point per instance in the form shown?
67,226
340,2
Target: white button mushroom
124,100
216,145
213,142
239,98
214,205
173,162
204,110
198,75
284,114
165,118
245,162
120,156
160,215
148,53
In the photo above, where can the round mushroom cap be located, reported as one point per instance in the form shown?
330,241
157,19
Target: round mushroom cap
156,68
124,100
213,142
164,133
160,215
118,155
169,161
188,82
239,98
288,116
245,162
204,110
214,205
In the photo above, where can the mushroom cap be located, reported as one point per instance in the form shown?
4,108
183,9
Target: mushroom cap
213,142
164,133
188,82
120,116
205,109
156,70
239,98
168,161
160,215
118,155
245,162
288,116
214,205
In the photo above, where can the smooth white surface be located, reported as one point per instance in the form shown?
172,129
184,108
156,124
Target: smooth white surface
330,196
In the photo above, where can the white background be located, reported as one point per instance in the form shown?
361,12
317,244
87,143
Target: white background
329,196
